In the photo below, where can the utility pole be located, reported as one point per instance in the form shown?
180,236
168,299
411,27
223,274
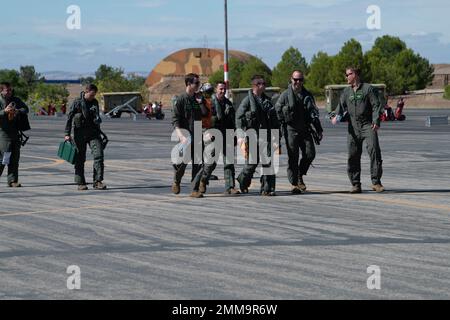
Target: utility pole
225,58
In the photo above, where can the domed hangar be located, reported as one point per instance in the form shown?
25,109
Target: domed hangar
167,78
201,61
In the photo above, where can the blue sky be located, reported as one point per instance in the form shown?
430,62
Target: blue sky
137,34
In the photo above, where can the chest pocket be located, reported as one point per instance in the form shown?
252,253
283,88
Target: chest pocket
78,120
250,119
357,98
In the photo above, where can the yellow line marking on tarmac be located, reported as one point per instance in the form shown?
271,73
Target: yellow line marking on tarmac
376,198
382,198
65,210
407,203
167,172
177,198
55,162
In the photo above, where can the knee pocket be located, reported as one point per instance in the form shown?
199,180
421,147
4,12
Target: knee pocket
310,156
98,156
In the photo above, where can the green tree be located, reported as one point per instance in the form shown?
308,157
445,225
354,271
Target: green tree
235,67
45,94
388,46
351,54
380,60
30,76
105,72
412,72
19,85
391,62
110,79
254,66
319,74
87,80
113,85
136,81
291,60
447,92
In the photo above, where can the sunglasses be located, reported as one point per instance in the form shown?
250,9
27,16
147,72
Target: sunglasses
260,83
348,74
298,79
196,82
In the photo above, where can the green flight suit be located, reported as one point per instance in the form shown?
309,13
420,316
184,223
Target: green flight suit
10,136
185,111
296,112
85,118
222,118
363,108
259,114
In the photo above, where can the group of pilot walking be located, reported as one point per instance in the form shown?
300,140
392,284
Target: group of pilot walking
294,115
83,117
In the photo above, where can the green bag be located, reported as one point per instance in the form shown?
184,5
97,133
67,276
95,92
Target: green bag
68,151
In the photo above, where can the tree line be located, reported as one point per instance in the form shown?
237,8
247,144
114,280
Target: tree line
30,86
389,61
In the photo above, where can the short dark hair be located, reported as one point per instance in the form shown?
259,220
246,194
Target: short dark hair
91,87
257,77
190,78
220,82
355,69
5,84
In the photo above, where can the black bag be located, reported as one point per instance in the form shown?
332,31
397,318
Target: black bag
23,124
314,134
23,138
104,138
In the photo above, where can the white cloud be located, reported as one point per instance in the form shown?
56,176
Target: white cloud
151,3
87,52
108,28
172,19
133,35
419,33
296,3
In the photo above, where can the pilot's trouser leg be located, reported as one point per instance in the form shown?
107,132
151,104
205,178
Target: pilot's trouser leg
97,153
268,177
81,145
354,144
205,171
373,148
229,172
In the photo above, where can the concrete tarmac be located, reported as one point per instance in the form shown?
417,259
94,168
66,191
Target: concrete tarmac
137,240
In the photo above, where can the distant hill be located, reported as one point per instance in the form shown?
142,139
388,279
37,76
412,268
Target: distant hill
67,75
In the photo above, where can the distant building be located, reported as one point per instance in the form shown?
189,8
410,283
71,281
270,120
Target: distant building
73,86
441,76
110,100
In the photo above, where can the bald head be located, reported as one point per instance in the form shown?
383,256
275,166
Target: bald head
297,80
